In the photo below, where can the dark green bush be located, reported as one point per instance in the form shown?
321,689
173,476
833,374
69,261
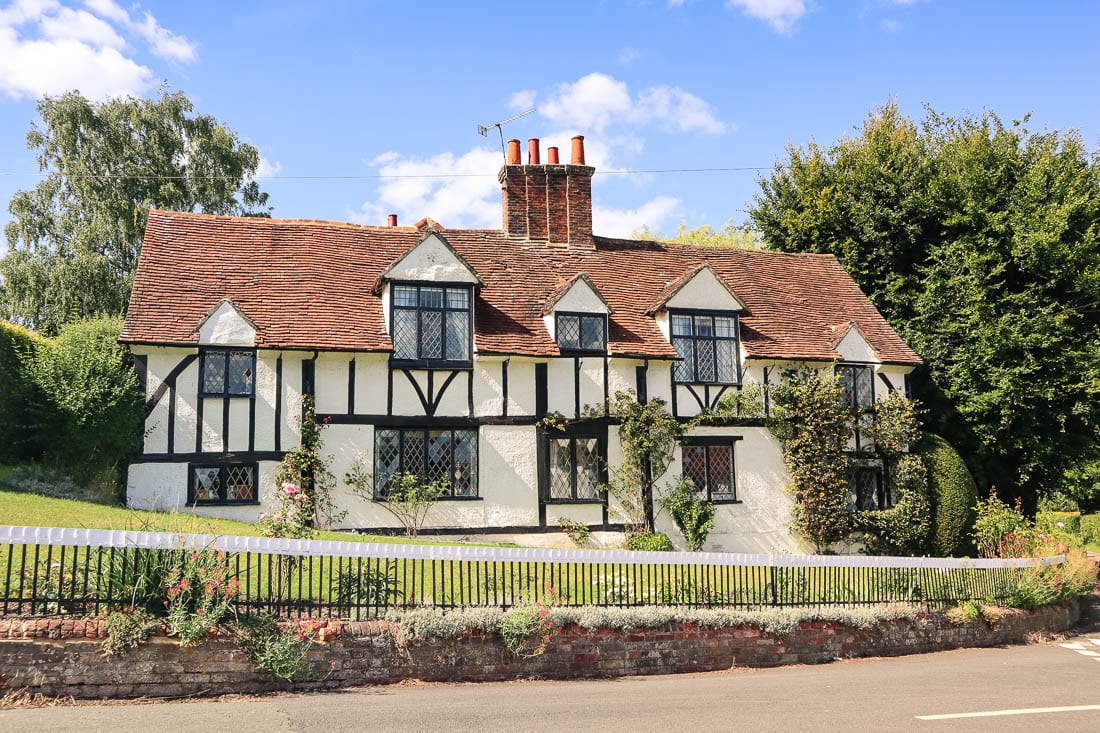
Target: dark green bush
649,542
1090,529
1048,522
953,494
904,528
90,406
17,393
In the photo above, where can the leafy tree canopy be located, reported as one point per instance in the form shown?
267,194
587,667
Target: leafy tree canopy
980,241
74,239
730,235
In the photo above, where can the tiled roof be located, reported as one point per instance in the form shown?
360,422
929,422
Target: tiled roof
308,285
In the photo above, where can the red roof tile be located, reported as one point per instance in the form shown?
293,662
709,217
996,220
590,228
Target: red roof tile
308,285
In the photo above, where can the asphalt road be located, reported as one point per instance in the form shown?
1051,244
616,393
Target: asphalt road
857,695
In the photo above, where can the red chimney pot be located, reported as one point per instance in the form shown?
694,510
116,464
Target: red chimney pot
513,152
578,150
533,151
391,220
552,155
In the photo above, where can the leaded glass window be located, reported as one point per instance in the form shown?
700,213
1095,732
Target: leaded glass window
233,483
708,347
858,384
434,455
868,491
432,323
581,332
574,469
710,466
228,372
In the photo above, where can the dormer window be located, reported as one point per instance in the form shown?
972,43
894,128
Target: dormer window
581,332
708,347
432,323
228,373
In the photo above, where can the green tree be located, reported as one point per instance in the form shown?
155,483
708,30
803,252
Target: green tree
74,239
980,242
730,235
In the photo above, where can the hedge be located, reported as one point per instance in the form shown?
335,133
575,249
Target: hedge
953,494
1048,521
17,392
1090,529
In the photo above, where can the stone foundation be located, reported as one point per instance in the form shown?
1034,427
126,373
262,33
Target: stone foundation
62,656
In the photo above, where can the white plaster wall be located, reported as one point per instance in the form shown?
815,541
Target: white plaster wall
187,417
580,298
704,292
760,522
591,380
559,379
583,513
853,347
331,382
431,260
292,399
156,424
211,426
405,399
455,400
238,423
659,380
489,387
521,387
265,401
226,327
621,376
371,373
163,487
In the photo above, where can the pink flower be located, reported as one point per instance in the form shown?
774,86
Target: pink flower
290,488
1061,525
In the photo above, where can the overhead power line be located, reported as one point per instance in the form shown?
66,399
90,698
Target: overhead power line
379,176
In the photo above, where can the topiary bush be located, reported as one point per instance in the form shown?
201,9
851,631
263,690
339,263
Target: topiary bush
953,495
17,393
649,542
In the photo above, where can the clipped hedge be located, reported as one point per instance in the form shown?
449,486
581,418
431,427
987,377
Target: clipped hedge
17,392
953,494
1048,522
1090,529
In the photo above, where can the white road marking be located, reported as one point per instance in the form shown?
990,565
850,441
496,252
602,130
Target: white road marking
1095,641
1080,648
1020,711
1073,645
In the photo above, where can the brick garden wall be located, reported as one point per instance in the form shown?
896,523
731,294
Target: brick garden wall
61,657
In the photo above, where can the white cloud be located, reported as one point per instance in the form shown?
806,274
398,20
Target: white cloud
596,101
50,48
522,101
267,168
621,222
779,14
470,197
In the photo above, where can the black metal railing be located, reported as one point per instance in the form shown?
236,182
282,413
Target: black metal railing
90,572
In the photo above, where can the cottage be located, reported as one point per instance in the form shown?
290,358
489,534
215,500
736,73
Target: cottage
437,351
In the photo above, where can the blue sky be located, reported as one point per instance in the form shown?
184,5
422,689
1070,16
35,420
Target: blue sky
349,102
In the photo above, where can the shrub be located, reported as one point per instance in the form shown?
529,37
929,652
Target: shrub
526,629
1054,584
1090,529
199,593
1058,502
578,532
279,651
1001,530
127,629
92,408
365,587
904,528
18,347
953,495
693,515
1048,522
649,542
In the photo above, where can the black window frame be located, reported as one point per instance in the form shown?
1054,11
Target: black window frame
601,317
883,495
206,351
708,442
379,495
714,338
419,360
223,484
572,434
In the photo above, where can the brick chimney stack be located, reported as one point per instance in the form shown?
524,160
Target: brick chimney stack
548,202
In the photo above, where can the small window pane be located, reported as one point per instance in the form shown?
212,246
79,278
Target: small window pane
569,332
704,361
685,368
465,463
404,295
431,334
458,335
213,372
587,463
865,485
704,326
414,453
726,356
725,327
720,458
404,334
681,325
458,298
561,469
241,372
431,297
592,337
387,458
695,465
439,456
207,484
240,483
